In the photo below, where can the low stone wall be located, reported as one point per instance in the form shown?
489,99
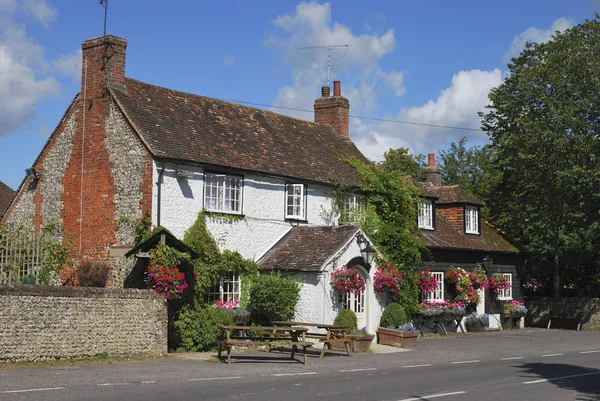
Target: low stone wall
540,307
43,322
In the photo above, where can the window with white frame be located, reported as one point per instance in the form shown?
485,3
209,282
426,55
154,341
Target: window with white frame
437,294
223,193
228,288
426,214
507,293
295,201
354,208
471,220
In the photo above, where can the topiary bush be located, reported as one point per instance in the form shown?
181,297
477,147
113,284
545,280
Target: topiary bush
92,274
273,297
196,328
393,316
347,317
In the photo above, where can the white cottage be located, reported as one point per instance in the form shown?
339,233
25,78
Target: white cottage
126,148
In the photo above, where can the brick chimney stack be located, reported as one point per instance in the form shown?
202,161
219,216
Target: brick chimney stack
333,110
431,173
103,61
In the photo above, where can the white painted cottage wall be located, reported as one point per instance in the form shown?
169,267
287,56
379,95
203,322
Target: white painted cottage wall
263,207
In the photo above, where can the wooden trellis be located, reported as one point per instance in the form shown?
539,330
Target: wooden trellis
21,255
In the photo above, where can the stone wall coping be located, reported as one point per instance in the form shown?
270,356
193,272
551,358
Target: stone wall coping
76,292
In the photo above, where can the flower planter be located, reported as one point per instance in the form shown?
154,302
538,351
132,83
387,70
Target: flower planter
391,337
361,342
475,327
409,339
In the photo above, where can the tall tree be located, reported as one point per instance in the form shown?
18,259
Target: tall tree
544,121
403,162
471,168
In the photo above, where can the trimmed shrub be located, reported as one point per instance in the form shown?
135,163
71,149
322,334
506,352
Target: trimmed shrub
393,316
197,328
273,297
347,317
92,274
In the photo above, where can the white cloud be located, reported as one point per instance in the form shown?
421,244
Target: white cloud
69,64
23,85
228,60
356,66
41,11
8,5
456,105
537,35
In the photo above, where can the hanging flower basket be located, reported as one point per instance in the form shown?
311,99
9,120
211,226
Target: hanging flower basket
347,280
498,282
426,282
387,278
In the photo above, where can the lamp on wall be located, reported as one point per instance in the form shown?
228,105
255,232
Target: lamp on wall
367,253
487,262
31,173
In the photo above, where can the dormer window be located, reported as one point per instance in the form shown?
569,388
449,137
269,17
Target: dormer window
426,214
471,219
295,202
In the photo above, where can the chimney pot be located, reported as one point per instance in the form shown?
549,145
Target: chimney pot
337,90
325,91
431,160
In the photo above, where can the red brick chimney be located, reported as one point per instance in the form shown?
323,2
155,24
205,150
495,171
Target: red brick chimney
431,173
333,110
103,61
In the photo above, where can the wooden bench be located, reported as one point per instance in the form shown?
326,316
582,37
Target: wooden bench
572,314
334,334
271,337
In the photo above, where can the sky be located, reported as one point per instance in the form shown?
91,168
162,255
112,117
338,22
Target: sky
428,62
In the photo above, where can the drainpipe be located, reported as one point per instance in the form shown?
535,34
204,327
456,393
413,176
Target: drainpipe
158,191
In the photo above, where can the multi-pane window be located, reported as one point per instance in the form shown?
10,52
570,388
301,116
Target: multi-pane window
426,214
223,193
227,288
437,294
354,209
471,220
295,202
507,293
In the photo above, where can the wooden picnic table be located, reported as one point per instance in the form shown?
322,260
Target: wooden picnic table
335,334
271,336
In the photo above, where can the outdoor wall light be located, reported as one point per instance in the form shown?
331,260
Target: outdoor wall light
487,262
367,253
31,173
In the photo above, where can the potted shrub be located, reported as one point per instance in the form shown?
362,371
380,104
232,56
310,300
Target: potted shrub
392,317
475,322
361,340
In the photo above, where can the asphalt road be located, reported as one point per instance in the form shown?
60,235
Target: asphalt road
512,365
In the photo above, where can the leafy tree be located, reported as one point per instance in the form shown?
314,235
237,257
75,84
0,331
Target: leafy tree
543,122
471,168
400,160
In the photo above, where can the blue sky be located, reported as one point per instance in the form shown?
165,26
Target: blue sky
428,61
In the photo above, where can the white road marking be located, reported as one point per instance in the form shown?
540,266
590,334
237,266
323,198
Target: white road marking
547,355
417,366
512,358
149,382
295,374
29,390
460,362
561,377
426,397
357,370
215,378
589,352
113,384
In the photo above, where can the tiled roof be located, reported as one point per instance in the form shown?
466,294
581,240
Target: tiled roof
446,236
196,129
6,197
307,248
448,194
